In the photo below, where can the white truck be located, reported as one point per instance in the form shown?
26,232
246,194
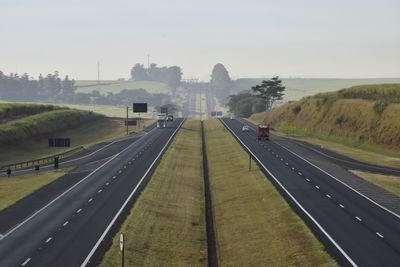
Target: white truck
161,120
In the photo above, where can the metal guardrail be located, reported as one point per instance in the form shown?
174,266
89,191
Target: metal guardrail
41,161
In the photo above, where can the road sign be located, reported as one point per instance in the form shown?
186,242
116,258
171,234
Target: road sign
132,122
140,107
213,113
219,113
121,242
59,142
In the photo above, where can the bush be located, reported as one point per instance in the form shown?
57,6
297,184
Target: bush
296,110
380,106
339,119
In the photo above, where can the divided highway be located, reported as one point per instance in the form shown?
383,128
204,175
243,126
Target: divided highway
356,229
74,227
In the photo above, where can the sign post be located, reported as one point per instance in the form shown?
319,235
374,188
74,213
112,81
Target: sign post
249,162
121,248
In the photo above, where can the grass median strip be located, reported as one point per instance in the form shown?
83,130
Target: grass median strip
17,187
166,226
254,224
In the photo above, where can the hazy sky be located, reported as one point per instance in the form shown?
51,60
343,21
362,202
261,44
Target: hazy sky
290,38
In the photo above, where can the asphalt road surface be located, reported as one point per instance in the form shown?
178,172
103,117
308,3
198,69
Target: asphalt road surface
355,228
74,227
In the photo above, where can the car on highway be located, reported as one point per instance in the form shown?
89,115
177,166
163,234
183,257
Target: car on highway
245,128
170,118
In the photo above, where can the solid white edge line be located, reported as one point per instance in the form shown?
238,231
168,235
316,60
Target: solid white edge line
358,218
26,261
379,234
333,177
87,260
294,200
65,192
65,224
49,239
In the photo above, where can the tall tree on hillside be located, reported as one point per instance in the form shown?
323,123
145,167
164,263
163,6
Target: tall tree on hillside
221,82
270,91
139,73
174,77
68,88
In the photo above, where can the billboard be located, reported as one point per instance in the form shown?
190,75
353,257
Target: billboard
131,122
59,142
140,107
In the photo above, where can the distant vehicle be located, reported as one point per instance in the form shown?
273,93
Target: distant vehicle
170,118
232,118
245,128
263,132
161,120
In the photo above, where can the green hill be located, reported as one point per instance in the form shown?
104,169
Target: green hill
117,86
367,114
20,122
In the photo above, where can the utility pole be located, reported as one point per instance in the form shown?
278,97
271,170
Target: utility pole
98,75
127,123
200,104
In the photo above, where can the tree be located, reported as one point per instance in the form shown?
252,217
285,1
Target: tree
68,88
244,104
139,73
173,77
221,82
269,91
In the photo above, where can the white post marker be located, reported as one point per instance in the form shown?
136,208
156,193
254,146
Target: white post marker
121,248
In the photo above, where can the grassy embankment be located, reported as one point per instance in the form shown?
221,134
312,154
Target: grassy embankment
361,122
117,86
26,128
166,226
254,224
17,187
388,182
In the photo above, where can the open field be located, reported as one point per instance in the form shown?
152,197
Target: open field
17,187
109,110
297,88
117,86
166,226
387,182
254,224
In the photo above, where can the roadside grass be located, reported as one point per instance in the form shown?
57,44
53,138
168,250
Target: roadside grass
166,226
117,86
17,187
86,134
254,224
388,182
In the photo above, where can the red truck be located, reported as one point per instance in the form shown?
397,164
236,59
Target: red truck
263,132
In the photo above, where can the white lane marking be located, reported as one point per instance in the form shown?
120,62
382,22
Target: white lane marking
99,191
308,180
125,167
49,239
333,177
341,206
281,159
328,196
299,173
78,210
286,163
358,218
65,224
107,183
292,169
57,198
86,261
114,177
317,186
90,200
379,234
295,200
26,261
120,171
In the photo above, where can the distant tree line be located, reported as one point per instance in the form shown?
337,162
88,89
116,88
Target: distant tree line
14,87
124,97
169,75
